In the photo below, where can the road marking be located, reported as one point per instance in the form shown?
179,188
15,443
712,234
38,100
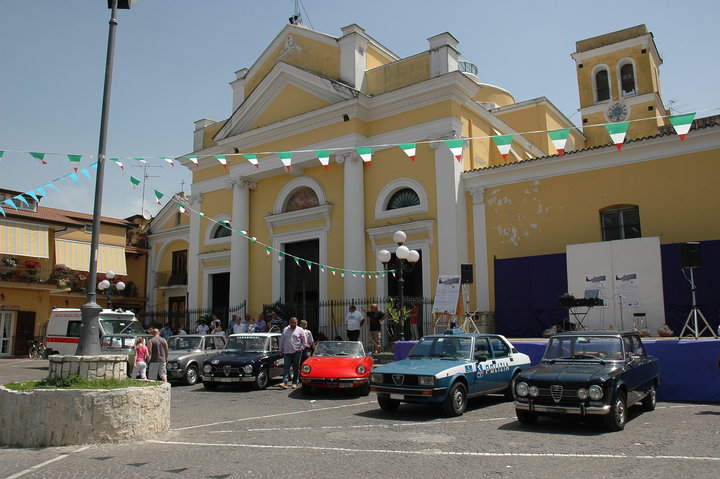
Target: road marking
42,464
437,452
361,426
304,411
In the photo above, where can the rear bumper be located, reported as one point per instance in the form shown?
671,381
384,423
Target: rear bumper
223,379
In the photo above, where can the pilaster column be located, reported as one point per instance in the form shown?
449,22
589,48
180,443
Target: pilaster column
353,224
480,249
448,191
194,268
239,245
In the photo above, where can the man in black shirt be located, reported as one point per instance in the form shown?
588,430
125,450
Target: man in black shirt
375,317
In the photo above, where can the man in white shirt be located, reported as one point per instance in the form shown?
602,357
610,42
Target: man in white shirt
237,326
202,328
354,321
309,338
292,344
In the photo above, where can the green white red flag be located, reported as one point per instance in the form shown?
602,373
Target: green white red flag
158,197
559,138
286,158
503,143
169,160
617,132
682,124
118,162
409,149
324,157
222,160
135,182
252,159
365,153
456,148
74,159
39,156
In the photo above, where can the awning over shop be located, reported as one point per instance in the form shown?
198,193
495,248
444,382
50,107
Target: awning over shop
76,255
23,239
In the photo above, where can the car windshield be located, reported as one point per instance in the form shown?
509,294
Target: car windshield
584,347
122,326
117,342
248,344
444,347
184,342
351,349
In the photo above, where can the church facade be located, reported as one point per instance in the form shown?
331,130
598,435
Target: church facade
335,143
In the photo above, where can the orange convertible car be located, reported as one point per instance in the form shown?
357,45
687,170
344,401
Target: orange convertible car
337,365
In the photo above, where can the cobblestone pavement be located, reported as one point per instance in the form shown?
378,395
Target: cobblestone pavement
239,432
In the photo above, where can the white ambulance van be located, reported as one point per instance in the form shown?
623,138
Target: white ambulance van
63,329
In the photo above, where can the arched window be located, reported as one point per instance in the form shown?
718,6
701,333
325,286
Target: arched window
301,199
620,223
627,79
602,85
221,231
403,198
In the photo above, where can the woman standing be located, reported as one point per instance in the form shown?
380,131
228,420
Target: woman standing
141,357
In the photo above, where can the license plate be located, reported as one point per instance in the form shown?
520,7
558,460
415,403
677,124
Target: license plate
345,385
223,380
556,410
397,396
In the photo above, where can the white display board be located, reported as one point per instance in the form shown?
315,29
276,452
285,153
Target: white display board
627,275
447,294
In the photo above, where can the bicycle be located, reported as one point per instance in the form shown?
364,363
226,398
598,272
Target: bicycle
36,350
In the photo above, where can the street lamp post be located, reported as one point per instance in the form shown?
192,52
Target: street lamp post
106,286
405,259
89,343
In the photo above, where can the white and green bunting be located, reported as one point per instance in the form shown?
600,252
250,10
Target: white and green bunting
118,162
181,208
559,138
193,159
158,197
682,124
365,153
39,156
617,132
409,149
135,182
324,157
74,159
286,158
169,160
456,148
252,159
503,143
222,160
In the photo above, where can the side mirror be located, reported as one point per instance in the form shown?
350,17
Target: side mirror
480,358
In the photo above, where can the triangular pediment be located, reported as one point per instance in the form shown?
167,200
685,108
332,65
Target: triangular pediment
285,92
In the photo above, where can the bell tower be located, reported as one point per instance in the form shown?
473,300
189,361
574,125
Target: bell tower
619,80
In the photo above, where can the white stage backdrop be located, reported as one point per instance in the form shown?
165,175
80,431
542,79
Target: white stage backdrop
627,275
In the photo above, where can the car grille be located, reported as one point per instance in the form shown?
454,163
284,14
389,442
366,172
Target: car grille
225,371
557,394
407,379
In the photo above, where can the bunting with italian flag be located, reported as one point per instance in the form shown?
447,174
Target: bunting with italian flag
456,148
169,160
181,208
503,143
141,160
559,138
39,156
365,153
409,149
118,162
617,132
158,197
222,160
682,124
193,159
74,159
323,157
135,182
252,159
286,158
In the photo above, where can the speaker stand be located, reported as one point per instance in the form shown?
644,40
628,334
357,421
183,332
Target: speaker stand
693,330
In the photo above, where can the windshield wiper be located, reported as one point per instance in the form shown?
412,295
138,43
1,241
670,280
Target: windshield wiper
416,356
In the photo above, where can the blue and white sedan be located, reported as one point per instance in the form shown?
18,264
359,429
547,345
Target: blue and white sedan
449,368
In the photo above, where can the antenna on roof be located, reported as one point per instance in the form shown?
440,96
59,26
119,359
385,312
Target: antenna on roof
296,18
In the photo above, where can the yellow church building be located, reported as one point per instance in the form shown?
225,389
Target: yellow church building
336,143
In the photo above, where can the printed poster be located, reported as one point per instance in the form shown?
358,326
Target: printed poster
447,294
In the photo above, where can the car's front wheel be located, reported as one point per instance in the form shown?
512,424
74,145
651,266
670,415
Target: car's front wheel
261,381
649,401
456,402
510,391
191,375
616,418
526,417
387,404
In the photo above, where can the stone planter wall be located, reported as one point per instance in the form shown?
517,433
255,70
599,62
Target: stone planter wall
61,417
110,366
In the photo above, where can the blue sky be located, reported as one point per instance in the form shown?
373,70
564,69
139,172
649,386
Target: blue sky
174,60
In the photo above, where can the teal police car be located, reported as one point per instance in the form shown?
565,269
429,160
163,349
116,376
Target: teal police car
449,368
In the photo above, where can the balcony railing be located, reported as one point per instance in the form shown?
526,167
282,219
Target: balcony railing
170,278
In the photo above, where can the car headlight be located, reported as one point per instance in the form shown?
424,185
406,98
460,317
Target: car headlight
595,392
376,377
360,369
522,389
173,366
582,394
207,368
426,380
306,368
534,391
247,369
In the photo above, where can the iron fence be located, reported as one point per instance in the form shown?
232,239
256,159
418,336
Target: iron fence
190,318
326,319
